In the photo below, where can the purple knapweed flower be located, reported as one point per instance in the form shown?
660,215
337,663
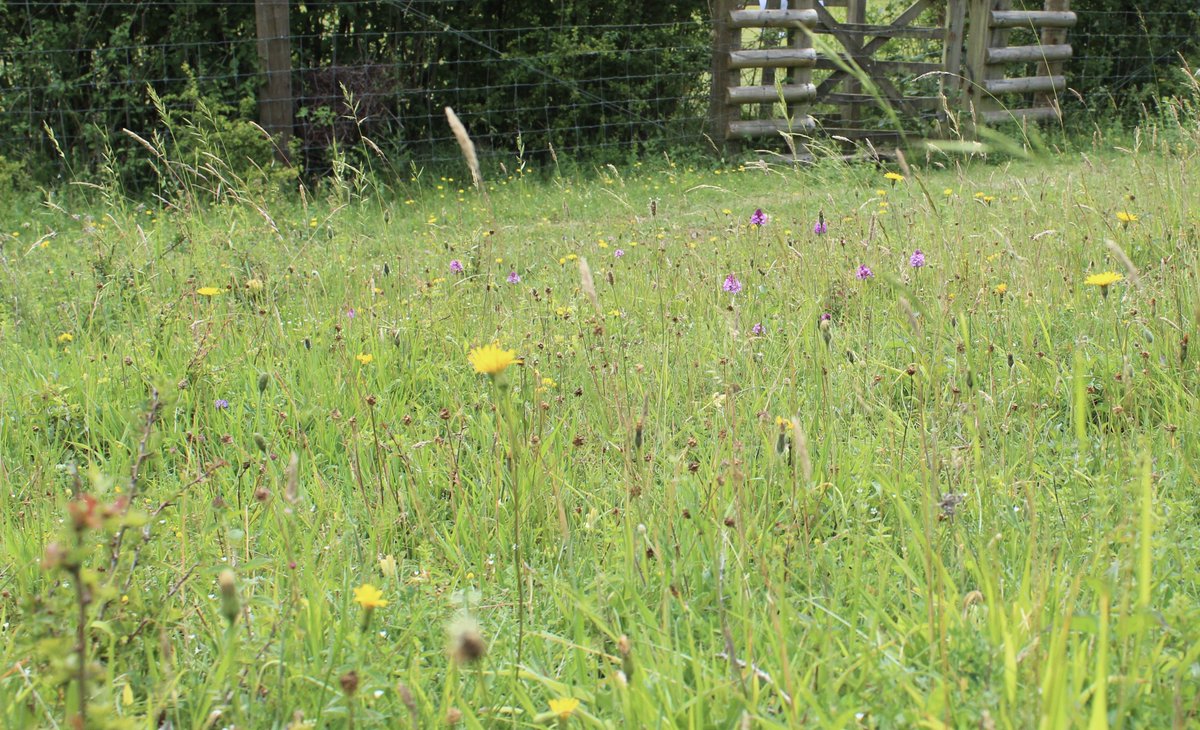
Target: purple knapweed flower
819,227
758,330
350,312
732,285
825,317
619,252
917,260
456,266
221,404
514,277
864,272
758,219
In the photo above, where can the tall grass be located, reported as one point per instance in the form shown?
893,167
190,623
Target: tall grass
964,499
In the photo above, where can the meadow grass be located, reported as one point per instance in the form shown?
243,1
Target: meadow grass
956,495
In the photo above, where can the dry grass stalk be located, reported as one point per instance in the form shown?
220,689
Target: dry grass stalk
467,147
587,284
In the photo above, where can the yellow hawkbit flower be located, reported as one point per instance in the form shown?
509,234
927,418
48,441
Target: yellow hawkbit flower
491,360
1104,281
208,291
1001,289
1126,217
369,597
1108,278
365,358
66,337
564,707
894,177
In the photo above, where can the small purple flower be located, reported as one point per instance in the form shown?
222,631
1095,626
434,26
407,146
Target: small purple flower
864,272
732,285
758,219
819,227
456,266
514,277
619,252
350,312
758,330
825,317
221,404
917,260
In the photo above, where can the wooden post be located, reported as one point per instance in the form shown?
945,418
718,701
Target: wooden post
801,40
720,113
275,55
767,109
980,37
856,12
952,55
1052,37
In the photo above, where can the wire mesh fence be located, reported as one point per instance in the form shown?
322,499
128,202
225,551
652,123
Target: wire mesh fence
526,78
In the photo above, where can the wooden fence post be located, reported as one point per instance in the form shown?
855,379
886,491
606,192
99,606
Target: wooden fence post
856,14
980,37
1052,36
726,38
801,41
275,54
952,55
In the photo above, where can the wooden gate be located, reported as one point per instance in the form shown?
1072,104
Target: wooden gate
768,78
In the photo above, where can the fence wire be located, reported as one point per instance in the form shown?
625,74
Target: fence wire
524,77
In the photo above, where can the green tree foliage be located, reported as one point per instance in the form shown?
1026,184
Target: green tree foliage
563,73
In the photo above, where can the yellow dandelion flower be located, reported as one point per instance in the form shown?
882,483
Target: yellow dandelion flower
1104,281
948,192
66,337
1126,217
564,707
894,177
491,360
365,358
1001,289
208,291
369,597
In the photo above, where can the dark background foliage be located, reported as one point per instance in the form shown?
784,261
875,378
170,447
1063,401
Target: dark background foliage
572,74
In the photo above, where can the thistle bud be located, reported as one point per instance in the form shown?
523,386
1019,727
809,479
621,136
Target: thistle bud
625,648
231,606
